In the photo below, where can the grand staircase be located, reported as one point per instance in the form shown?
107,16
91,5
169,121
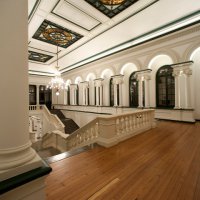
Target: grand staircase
70,125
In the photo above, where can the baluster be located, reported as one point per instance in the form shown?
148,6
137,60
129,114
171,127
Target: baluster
137,120
130,122
126,125
146,118
117,126
96,130
76,140
122,125
88,135
92,133
80,139
84,136
140,120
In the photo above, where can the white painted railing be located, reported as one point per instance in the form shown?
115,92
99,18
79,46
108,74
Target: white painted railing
106,131
53,119
84,136
95,109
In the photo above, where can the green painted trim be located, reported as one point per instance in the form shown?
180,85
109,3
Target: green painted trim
34,9
139,37
182,63
42,50
74,22
21,179
111,27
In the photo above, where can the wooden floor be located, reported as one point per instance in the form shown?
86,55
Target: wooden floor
161,164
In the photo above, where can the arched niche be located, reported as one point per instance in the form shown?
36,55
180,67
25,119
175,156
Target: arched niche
106,75
91,92
78,79
195,87
67,92
155,63
126,70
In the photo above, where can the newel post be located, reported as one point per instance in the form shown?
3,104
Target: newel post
107,132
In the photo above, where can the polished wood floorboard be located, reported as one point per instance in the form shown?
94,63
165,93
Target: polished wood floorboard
160,164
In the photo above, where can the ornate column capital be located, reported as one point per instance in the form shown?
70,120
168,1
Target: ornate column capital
73,86
98,82
176,72
147,77
182,68
187,72
118,79
85,84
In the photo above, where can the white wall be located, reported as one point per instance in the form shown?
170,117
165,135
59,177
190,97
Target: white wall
157,15
156,62
196,86
127,70
169,49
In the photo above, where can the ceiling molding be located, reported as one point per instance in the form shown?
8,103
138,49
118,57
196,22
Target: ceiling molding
39,73
128,44
38,57
133,14
83,16
42,50
33,10
113,10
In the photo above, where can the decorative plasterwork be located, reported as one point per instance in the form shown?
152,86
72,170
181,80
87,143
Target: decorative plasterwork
182,68
57,35
75,15
141,41
143,75
98,82
38,57
85,84
110,10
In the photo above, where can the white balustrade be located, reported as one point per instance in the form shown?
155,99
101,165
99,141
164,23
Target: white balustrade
108,130
52,118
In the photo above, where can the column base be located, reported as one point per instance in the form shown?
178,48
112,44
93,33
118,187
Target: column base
26,186
176,107
17,160
33,164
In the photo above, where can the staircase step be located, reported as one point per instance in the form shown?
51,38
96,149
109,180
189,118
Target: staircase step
70,125
58,113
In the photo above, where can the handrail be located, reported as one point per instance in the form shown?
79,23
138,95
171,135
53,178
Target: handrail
108,130
53,118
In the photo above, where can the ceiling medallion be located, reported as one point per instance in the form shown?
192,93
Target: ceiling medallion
112,2
55,34
60,37
111,8
38,57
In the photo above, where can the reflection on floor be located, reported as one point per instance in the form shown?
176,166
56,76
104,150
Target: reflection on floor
48,152
52,154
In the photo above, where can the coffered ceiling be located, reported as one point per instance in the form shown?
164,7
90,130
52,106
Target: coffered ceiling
84,29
